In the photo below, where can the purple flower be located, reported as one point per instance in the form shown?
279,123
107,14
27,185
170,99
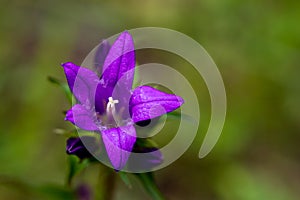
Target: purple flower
76,147
109,105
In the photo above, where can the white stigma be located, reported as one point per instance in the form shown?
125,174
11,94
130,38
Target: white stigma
111,104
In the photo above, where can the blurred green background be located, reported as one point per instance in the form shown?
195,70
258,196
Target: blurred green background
255,44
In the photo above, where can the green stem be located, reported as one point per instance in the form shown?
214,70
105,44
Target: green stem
106,183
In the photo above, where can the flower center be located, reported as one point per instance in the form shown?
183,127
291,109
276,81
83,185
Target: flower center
113,117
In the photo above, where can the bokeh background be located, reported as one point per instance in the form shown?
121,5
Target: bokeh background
255,44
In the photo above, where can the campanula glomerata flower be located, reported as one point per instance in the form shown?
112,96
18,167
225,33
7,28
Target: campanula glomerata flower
109,105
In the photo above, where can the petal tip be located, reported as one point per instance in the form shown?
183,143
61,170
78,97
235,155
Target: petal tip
125,35
105,42
126,32
180,100
69,116
68,65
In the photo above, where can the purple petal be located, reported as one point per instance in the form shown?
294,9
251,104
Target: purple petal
82,82
147,103
119,143
82,118
100,55
119,62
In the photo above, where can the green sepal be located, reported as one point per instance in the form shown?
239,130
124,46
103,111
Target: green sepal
136,78
146,142
66,133
64,86
178,115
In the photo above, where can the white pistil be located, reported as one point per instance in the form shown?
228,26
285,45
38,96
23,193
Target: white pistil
111,105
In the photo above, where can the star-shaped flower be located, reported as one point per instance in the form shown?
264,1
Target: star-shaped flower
108,104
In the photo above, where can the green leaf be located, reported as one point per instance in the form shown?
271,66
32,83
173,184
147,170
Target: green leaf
124,177
64,86
149,185
75,166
